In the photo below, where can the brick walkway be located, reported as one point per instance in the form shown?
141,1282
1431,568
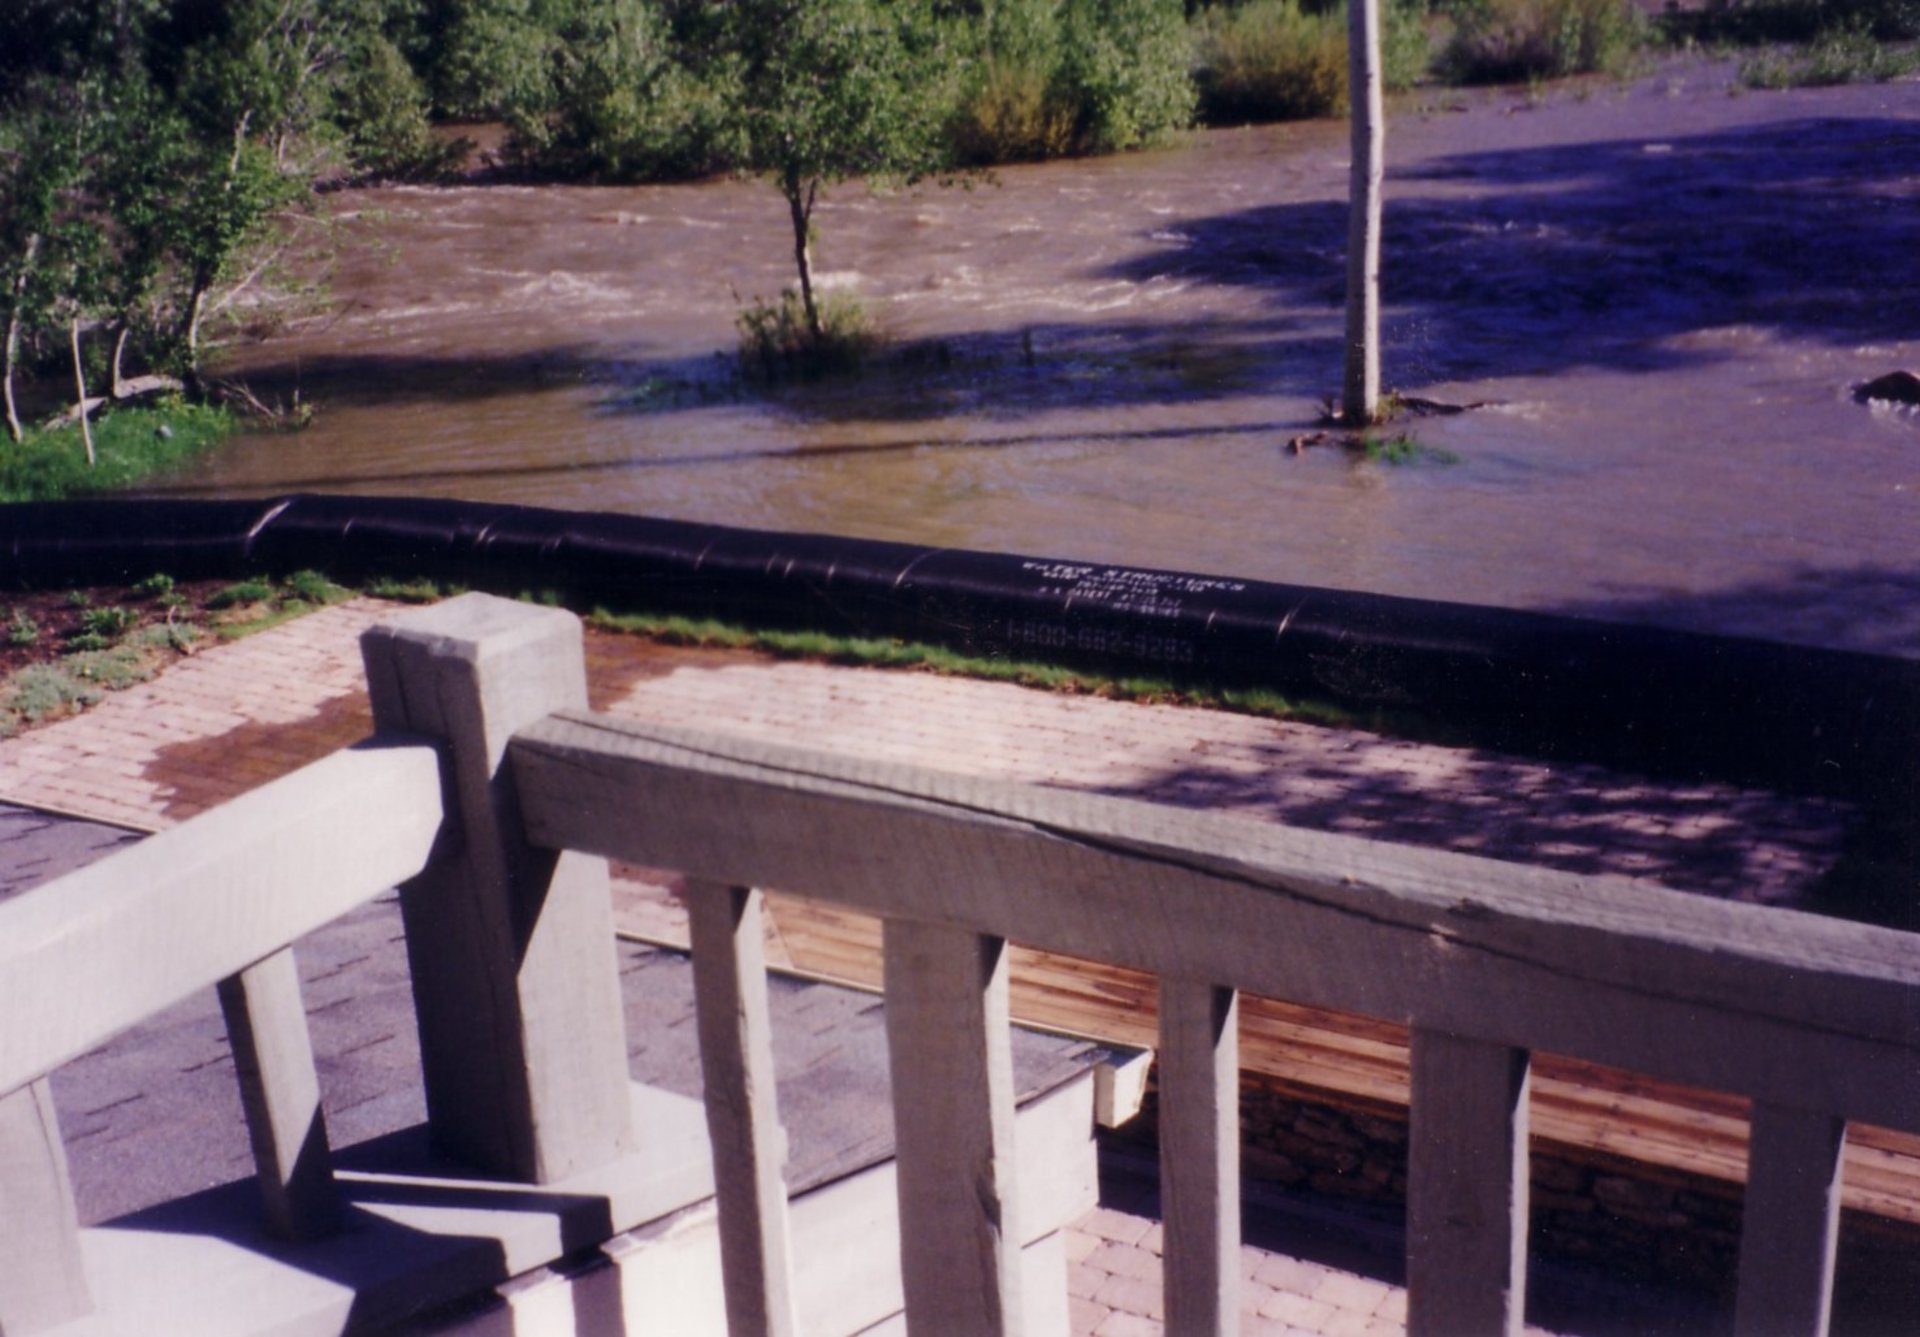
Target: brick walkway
236,715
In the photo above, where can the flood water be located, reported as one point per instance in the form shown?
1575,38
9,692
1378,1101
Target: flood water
1667,290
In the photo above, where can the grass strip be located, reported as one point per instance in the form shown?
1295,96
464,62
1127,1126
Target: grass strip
889,653
130,445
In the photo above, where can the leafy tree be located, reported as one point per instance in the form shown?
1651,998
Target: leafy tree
41,161
832,89
624,100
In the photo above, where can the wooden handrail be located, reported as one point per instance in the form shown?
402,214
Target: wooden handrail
1757,1000
89,954
1817,1020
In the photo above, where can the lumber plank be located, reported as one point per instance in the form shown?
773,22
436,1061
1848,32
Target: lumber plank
743,1116
515,981
950,1053
42,1280
1467,1188
280,1093
1791,1223
1200,1156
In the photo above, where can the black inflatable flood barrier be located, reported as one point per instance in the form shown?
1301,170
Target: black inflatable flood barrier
1679,702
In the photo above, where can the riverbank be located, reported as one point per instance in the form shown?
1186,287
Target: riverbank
131,445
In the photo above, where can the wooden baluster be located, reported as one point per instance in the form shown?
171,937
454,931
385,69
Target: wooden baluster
515,977
951,1057
1200,1156
41,1280
743,1117
1467,1187
280,1091
1790,1222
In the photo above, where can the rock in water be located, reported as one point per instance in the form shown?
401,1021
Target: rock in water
1896,387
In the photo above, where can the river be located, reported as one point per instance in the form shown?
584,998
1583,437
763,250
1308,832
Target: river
1661,291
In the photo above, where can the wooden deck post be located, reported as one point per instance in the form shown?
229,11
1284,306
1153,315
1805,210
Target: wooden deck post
1790,1222
515,976
743,1116
1200,1156
951,1057
1467,1188
280,1092
41,1280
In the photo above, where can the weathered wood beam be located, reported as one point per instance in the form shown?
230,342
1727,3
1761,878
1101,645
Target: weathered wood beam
1785,1006
1467,1188
951,1056
516,984
1790,1222
743,1116
89,954
42,1283
280,1092
1200,1156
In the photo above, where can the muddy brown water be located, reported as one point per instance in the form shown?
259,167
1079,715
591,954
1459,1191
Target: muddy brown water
1667,287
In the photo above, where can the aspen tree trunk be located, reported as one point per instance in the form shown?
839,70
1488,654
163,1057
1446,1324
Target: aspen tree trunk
1360,396
80,386
12,352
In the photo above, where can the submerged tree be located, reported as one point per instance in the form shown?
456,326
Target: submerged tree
832,89
1360,397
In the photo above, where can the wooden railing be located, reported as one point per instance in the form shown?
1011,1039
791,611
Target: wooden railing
1818,1021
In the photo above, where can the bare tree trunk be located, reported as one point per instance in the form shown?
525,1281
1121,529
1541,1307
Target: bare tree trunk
190,332
14,429
117,385
1360,397
12,355
800,208
80,385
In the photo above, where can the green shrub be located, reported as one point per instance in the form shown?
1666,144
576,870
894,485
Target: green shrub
101,627
1270,61
245,592
21,628
45,689
315,588
1798,21
1505,41
1841,56
618,100
156,586
1053,77
1008,113
1273,60
115,668
775,340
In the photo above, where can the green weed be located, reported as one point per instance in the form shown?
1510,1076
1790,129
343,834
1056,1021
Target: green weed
21,628
777,342
41,690
315,588
256,590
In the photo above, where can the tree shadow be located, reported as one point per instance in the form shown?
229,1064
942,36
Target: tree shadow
1534,260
